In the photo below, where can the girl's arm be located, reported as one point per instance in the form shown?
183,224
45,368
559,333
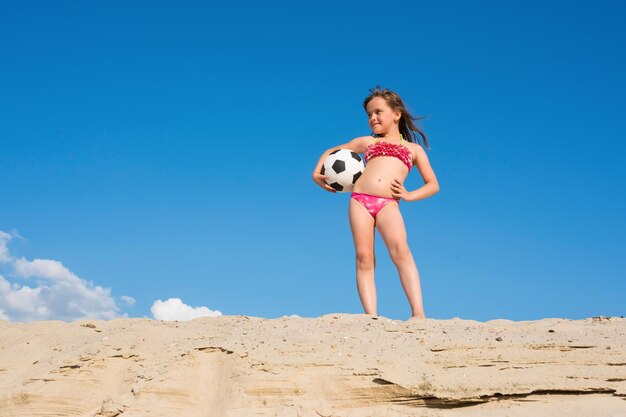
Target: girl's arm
430,187
358,145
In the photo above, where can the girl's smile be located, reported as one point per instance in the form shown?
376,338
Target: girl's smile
381,117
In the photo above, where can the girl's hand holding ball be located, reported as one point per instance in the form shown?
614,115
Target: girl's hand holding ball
320,180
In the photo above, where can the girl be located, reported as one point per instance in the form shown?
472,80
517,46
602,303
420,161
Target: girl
390,153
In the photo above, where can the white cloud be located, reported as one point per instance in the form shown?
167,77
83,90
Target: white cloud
4,251
58,294
173,309
129,301
45,268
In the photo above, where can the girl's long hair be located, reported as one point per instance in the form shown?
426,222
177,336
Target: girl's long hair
407,128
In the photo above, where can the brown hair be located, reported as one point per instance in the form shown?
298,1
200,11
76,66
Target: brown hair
407,128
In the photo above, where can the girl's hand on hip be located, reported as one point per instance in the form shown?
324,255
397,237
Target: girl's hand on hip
398,190
319,180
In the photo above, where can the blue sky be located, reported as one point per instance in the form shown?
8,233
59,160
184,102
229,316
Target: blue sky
155,151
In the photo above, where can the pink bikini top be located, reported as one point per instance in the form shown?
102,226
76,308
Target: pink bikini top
389,149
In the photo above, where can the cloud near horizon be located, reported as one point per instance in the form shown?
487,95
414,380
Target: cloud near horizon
173,309
59,294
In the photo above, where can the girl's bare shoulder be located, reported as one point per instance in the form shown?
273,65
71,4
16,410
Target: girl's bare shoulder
414,147
416,150
364,139
360,143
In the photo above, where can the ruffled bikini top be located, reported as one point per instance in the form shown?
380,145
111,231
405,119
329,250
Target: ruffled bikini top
389,149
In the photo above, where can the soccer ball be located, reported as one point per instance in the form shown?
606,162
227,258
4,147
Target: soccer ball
343,167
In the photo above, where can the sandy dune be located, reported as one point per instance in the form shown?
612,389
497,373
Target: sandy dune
335,365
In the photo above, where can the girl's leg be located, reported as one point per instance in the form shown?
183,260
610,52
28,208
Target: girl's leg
362,226
391,228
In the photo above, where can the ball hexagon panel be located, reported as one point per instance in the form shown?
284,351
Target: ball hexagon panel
355,156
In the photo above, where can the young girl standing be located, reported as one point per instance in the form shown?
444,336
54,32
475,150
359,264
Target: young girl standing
390,154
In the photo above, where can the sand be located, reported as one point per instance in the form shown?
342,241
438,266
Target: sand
335,365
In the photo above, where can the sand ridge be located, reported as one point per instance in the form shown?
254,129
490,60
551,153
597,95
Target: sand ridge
334,365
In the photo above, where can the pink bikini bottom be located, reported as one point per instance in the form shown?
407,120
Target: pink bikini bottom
372,203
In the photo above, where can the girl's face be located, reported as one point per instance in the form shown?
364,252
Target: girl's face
380,116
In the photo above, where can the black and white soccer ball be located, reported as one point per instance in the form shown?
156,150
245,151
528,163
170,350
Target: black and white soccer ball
343,167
